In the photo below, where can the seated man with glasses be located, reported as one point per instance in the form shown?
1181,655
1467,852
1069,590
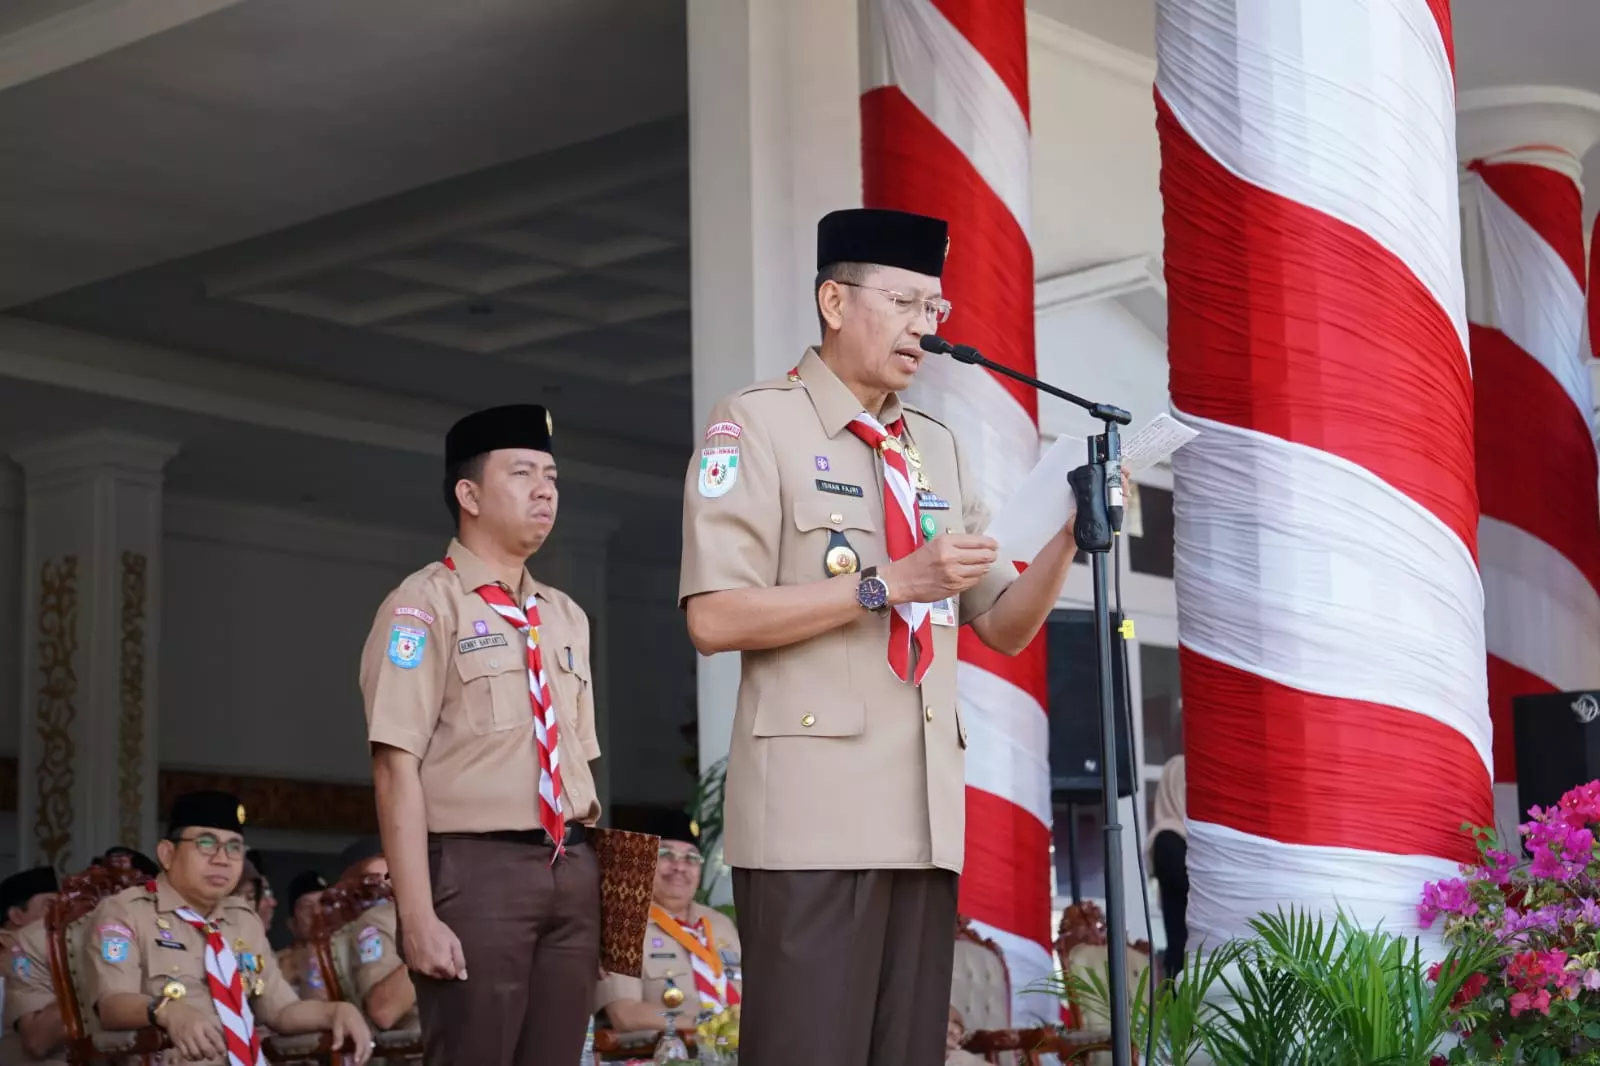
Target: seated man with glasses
184,953
691,952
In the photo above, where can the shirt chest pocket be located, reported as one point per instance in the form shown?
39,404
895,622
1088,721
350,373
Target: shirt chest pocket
494,689
570,677
824,524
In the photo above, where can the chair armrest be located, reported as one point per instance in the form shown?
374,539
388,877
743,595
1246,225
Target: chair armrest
1067,1044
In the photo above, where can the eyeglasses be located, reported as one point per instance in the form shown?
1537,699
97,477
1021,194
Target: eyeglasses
208,845
688,858
934,309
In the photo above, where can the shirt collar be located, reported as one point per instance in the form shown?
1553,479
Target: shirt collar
836,405
169,900
474,573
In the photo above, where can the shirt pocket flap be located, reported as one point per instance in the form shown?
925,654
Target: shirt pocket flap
833,512
490,662
838,716
570,660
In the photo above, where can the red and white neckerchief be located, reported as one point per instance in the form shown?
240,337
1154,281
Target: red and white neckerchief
716,992
911,624
546,733
226,984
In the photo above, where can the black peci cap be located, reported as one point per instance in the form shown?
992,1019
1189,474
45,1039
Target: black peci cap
208,810
520,425
884,238
19,888
305,882
675,825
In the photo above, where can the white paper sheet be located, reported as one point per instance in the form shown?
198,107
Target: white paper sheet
1043,501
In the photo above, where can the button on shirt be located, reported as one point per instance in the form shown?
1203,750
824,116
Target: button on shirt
137,943
835,763
28,989
445,678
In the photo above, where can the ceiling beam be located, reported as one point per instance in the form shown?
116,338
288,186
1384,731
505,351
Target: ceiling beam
91,29
182,381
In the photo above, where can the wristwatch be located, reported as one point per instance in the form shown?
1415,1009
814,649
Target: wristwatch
872,592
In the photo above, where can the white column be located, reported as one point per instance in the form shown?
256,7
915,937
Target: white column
86,765
1546,126
774,144
575,562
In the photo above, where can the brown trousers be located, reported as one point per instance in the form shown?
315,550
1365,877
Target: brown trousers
530,933
846,967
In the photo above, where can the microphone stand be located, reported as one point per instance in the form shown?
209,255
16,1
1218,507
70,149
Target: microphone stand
1097,487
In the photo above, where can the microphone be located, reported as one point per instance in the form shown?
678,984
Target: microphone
962,353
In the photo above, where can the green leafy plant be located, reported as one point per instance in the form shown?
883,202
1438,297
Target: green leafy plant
706,811
1300,991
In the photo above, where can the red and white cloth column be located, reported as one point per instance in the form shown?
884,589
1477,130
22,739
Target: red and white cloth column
1539,534
944,132
1330,608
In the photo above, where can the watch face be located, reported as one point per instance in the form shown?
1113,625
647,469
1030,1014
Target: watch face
872,593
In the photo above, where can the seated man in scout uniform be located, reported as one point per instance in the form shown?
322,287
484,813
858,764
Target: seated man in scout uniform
691,952
34,1033
383,984
24,897
185,954
298,961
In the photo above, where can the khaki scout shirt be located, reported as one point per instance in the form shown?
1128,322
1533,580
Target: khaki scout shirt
28,989
835,763
446,679
299,966
137,943
666,962
377,956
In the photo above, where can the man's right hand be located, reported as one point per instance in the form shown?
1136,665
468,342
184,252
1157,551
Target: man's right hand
195,1035
945,566
431,949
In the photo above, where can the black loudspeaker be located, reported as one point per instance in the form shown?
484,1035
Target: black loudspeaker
1075,708
1558,745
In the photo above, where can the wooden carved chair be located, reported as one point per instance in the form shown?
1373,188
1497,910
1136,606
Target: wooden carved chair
66,923
981,990
1081,947
334,931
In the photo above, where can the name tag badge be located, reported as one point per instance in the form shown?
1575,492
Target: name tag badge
838,488
493,640
663,954
929,502
943,613
170,944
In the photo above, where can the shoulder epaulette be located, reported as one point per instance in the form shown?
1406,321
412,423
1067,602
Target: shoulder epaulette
920,413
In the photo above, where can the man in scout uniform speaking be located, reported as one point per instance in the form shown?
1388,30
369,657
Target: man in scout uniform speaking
691,952
832,535
185,954
480,713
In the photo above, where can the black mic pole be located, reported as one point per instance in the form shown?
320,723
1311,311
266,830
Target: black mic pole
1097,487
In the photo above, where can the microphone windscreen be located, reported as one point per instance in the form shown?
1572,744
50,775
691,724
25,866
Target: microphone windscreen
932,342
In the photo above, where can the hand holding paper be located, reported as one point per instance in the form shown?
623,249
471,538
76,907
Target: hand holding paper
1042,503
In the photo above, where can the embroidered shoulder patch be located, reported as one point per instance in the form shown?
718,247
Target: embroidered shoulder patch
114,949
405,646
719,470
416,612
725,429
369,944
19,963
115,929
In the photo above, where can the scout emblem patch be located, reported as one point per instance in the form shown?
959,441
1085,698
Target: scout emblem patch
719,470
19,963
370,945
405,646
114,949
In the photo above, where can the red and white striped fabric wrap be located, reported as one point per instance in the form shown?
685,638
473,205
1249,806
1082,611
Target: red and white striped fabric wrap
1330,608
944,132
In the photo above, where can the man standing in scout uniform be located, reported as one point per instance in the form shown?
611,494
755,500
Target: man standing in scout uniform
480,712
185,954
691,952
832,536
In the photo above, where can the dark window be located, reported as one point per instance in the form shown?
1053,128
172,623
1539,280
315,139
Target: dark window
1152,552
1161,694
